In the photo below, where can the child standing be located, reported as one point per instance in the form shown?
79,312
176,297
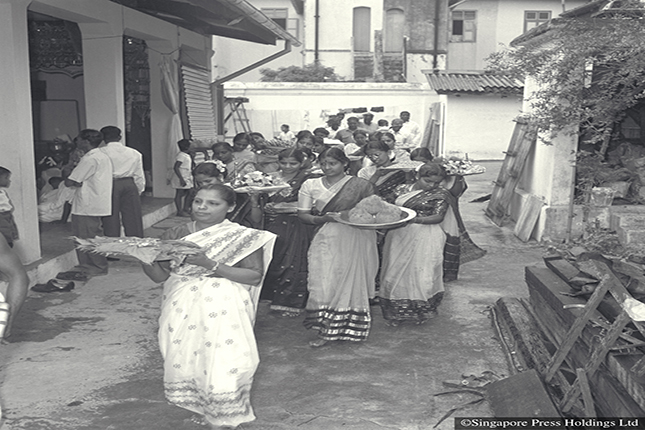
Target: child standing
8,226
286,135
182,180
10,264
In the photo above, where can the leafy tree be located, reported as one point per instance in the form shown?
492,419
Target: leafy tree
588,71
309,73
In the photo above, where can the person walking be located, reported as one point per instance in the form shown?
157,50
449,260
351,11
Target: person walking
128,182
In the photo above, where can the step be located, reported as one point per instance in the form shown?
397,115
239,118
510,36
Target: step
45,269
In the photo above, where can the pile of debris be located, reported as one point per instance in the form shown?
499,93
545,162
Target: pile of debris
581,330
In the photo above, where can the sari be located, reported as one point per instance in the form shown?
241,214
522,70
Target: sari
413,259
286,280
206,327
343,263
236,169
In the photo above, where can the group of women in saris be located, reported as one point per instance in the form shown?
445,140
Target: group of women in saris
299,256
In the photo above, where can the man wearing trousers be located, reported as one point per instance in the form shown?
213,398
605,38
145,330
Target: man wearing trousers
92,178
128,184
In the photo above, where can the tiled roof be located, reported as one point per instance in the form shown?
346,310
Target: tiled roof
473,82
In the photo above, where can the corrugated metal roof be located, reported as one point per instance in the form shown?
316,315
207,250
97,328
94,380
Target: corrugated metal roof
473,82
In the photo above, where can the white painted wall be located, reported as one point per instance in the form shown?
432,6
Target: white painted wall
102,23
479,125
498,23
232,55
306,105
336,31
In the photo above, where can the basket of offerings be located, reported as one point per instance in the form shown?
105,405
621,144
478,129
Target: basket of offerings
146,250
259,182
375,214
458,167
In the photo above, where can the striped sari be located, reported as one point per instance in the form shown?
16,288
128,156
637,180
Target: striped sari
343,263
413,258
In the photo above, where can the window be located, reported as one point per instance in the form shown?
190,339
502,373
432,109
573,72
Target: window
463,26
279,16
533,18
293,28
394,28
361,29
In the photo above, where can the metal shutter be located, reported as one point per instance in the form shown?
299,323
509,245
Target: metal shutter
199,102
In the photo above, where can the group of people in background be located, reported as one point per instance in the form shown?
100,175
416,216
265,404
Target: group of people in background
286,246
303,259
98,183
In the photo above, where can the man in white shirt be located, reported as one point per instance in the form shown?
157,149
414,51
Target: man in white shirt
411,128
403,140
368,124
128,184
92,178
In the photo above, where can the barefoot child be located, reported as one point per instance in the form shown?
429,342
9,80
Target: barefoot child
10,264
182,180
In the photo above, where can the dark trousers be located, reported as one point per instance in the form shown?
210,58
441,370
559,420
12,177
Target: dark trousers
87,227
126,208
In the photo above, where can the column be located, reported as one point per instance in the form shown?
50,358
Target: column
17,143
103,74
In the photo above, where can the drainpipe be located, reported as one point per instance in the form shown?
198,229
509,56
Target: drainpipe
218,85
435,61
316,31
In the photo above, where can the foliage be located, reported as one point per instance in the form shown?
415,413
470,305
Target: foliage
561,62
309,73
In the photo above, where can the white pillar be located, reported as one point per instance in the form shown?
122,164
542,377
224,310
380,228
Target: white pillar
17,143
103,74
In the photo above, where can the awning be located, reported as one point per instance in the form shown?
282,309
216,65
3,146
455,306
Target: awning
474,82
236,19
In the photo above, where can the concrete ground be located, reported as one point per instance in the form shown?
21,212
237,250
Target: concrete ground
88,359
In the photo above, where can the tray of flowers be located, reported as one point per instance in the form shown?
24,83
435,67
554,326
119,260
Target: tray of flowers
259,182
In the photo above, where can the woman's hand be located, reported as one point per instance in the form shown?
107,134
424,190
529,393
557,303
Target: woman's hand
269,208
200,259
330,217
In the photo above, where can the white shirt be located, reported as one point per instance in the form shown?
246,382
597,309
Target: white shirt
94,196
126,163
5,201
403,139
413,129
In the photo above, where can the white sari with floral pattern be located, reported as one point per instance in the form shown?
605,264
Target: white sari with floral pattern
206,328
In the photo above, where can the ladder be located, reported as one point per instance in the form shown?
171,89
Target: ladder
580,386
237,112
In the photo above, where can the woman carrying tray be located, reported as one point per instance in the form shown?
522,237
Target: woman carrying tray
343,260
208,311
412,270
286,280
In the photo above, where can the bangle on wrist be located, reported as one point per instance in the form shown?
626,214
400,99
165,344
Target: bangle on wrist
215,266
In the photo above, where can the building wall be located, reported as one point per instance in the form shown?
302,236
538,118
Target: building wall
307,105
102,24
335,31
64,110
498,23
479,125
227,58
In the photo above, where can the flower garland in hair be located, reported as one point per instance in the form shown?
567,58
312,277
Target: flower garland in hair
221,167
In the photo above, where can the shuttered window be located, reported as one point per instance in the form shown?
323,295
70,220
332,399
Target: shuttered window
198,102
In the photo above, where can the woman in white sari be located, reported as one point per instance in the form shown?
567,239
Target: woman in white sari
413,257
208,311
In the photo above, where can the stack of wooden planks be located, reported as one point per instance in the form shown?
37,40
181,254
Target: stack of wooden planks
541,329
